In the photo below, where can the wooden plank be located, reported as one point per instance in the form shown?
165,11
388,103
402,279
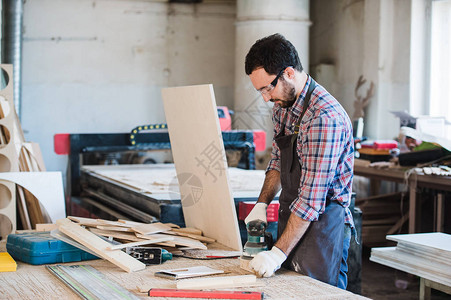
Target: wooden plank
140,243
116,223
34,152
114,228
188,230
178,240
156,236
99,246
85,221
46,227
200,161
412,250
440,212
420,266
193,236
127,236
22,208
151,228
437,286
434,241
218,282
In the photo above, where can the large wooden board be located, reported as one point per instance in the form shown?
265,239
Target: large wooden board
200,162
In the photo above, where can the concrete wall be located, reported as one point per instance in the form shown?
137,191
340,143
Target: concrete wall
98,66
369,38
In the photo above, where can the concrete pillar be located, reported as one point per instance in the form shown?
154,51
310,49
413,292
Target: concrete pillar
257,19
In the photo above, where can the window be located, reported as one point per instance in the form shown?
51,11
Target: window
440,75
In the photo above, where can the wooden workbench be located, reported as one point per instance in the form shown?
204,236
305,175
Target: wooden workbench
35,282
440,184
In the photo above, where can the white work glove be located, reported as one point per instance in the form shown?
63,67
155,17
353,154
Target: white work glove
267,262
257,213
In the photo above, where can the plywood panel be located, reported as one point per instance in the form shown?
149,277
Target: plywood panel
200,162
45,186
433,242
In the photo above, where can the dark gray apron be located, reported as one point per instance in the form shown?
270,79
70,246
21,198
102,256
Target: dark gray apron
319,252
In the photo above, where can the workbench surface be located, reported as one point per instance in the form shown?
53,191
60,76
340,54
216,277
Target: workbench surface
35,282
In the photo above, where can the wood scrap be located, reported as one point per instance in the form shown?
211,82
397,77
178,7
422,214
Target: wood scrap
181,241
22,208
114,228
46,227
172,225
140,243
151,228
99,246
127,236
161,234
218,282
130,223
155,236
85,221
116,223
193,236
188,230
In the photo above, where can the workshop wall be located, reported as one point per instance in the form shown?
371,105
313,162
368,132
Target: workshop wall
98,66
370,38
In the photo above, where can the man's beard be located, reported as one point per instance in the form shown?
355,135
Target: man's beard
289,93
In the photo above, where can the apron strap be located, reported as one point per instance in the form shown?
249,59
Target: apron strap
311,87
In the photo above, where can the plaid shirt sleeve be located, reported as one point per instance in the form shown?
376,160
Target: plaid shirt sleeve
274,163
321,150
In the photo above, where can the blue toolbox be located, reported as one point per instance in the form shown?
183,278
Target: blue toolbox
39,248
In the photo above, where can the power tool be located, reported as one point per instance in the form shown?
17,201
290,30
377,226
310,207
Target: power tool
149,255
258,239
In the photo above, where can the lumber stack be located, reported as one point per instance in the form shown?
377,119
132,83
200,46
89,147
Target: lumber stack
123,233
427,255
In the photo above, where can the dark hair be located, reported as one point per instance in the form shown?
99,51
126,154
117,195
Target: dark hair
273,53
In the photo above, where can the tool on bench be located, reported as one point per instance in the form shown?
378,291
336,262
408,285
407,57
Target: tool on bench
258,239
204,294
149,255
89,283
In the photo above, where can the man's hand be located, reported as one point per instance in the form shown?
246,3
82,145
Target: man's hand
267,262
257,213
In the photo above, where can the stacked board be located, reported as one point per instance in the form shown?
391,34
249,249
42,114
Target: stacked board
427,255
85,233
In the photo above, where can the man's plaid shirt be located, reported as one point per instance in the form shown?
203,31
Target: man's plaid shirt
325,150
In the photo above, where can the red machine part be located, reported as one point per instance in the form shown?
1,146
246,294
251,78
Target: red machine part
61,143
272,212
